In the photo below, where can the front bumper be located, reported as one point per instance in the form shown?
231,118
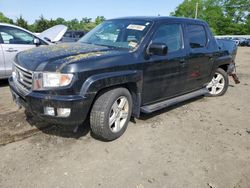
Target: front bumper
35,102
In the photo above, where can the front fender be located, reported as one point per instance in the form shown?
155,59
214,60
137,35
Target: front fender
98,82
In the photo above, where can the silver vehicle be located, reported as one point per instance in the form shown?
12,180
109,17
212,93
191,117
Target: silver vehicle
14,39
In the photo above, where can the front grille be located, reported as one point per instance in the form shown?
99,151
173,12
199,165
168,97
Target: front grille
23,77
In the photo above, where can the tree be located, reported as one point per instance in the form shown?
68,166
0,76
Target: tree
41,24
187,9
60,21
99,19
87,27
21,22
87,24
86,20
74,24
238,12
248,23
223,16
4,19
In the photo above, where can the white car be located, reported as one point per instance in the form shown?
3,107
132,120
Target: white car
14,39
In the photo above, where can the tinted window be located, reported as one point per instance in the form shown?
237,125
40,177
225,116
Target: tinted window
15,36
171,35
68,34
197,36
79,34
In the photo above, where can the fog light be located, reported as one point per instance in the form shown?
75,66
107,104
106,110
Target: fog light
63,112
49,111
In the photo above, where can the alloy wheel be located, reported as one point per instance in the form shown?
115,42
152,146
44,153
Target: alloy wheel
217,84
118,114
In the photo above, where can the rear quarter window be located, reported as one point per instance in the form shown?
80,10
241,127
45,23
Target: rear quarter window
197,36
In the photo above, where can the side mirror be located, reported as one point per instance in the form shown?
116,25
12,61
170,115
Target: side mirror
160,49
36,41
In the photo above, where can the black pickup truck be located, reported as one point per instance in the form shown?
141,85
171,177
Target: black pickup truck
122,68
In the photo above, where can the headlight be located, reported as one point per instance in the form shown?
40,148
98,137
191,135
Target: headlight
51,80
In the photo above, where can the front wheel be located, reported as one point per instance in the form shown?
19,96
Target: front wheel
111,113
219,84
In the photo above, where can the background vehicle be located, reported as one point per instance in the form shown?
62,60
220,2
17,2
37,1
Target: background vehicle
240,40
121,68
14,39
245,42
72,36
236,40
248,42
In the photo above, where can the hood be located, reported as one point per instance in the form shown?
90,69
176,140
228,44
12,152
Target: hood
54,57
54,34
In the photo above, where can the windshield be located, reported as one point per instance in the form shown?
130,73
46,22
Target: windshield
118,33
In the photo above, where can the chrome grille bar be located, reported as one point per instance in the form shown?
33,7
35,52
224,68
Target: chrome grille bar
23,77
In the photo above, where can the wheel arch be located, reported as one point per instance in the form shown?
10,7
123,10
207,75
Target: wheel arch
131,80
224,66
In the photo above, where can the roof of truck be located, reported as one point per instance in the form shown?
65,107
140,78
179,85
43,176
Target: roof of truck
159,18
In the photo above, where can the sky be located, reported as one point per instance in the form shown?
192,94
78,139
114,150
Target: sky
70,9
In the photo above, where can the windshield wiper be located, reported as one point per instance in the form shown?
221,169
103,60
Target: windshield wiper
86,42
105,45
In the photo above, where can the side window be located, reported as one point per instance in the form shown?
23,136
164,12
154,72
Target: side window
197,36
68,34
15,36
6,37
171,35
80,34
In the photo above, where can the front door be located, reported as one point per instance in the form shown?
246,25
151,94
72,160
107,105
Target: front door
14,40
2,64
164,75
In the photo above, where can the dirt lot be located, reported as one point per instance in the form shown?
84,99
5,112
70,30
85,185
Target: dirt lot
204,143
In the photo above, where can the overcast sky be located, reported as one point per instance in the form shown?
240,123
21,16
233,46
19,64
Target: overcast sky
70,9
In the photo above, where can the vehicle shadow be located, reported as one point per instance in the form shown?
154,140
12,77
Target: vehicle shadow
82,130
65,131
4,83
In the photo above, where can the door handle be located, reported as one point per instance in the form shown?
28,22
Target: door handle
182,61
11,50
210,56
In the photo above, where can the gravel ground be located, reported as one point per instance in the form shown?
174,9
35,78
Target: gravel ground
201,143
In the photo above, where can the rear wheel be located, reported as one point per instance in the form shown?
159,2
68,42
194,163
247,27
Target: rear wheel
219,84
111,113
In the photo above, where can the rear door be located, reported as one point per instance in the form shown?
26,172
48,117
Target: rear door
200,57
164,75
14,40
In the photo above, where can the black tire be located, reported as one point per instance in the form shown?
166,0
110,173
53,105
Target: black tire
100,113
226,83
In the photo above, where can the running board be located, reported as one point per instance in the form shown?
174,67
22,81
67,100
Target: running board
173,101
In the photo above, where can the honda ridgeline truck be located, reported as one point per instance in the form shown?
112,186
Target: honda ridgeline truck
122,68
